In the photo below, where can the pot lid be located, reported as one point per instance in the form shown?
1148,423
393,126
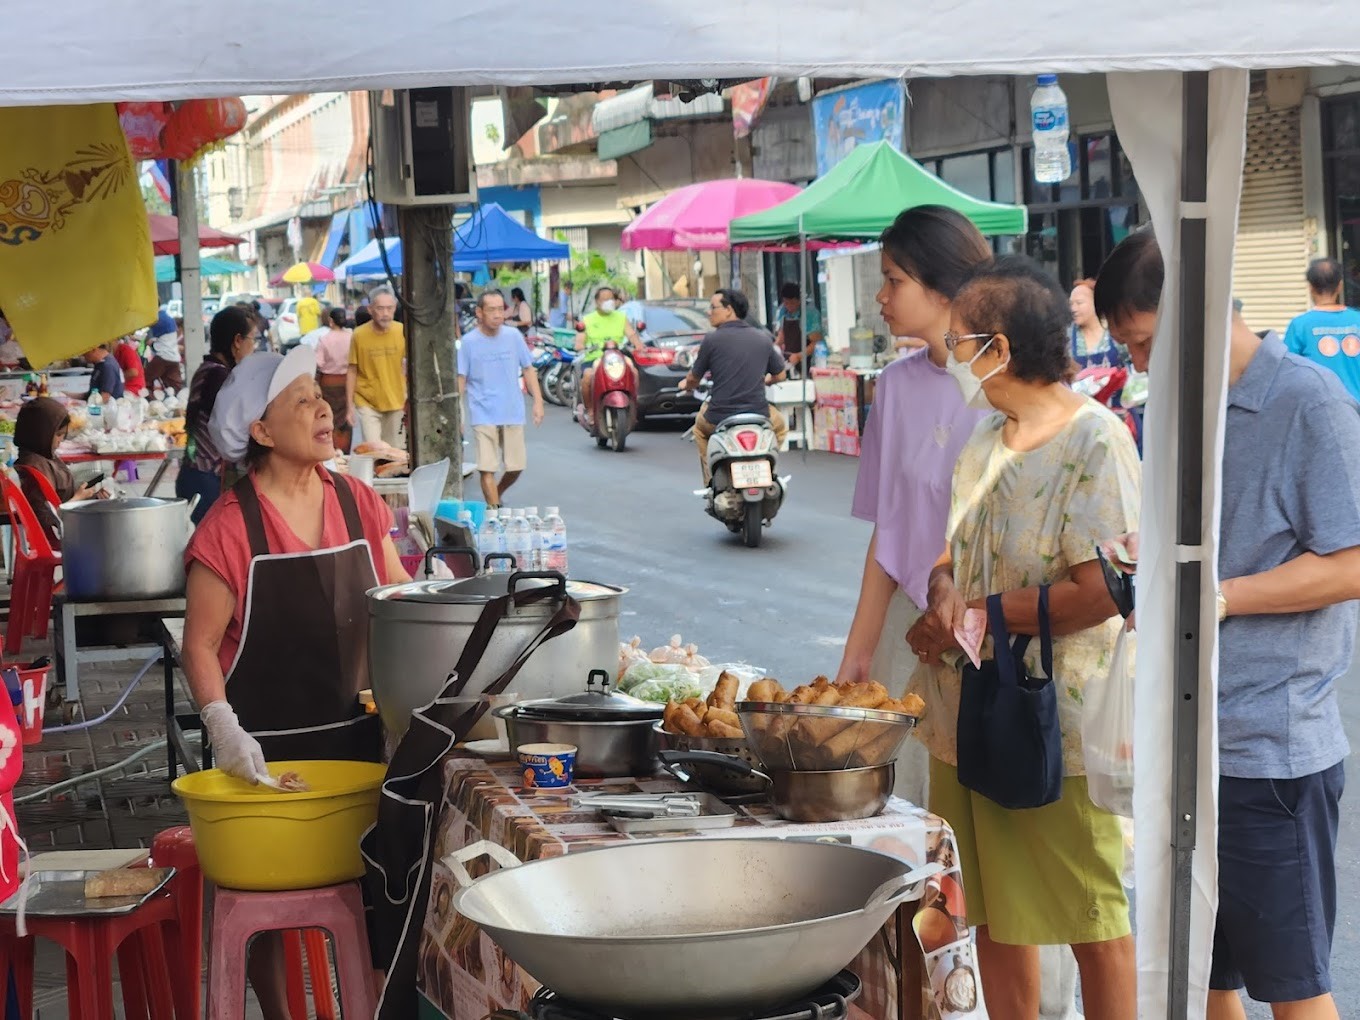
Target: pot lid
475,590
117,505
597,703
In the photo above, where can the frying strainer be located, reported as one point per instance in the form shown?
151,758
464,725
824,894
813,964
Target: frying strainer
818,738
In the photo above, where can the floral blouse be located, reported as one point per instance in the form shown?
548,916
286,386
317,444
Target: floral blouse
1019,520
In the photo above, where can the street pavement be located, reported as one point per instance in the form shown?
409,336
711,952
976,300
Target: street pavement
632,520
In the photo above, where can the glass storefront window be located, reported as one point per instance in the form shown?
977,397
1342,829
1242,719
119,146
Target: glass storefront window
1341,171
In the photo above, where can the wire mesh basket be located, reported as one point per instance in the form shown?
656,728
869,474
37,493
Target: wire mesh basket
819,738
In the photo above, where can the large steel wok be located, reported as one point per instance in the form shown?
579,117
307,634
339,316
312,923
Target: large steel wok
686,929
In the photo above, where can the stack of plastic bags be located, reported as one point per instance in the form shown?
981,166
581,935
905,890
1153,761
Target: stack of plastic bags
675,672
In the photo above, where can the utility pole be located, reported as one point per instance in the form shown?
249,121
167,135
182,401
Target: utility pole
431,372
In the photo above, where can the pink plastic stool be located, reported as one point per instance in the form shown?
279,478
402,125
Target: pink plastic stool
238,916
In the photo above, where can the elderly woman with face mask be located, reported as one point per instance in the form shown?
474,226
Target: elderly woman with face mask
1045,475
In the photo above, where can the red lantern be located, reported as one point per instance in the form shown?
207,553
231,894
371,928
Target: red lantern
143,124
199,124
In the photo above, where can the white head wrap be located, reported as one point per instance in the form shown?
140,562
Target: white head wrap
251,387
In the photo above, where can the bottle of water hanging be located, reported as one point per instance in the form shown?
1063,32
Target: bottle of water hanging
535,538
518,540
1048,112
555,542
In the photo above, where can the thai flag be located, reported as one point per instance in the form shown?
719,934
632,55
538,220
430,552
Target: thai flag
158,170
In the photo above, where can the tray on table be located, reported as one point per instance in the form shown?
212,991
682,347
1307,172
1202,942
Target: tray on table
62,894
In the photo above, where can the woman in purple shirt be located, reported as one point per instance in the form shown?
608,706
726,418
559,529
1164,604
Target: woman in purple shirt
916,430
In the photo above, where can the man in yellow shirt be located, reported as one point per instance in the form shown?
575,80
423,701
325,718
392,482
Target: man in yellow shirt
376,388
308,313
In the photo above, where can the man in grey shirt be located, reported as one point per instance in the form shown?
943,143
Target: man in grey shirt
1289,563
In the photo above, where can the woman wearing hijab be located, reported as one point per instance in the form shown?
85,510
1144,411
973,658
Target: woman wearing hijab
275,626
38,431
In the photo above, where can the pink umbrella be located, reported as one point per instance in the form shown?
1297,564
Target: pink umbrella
695,218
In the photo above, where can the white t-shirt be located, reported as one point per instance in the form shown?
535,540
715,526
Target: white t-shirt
166,347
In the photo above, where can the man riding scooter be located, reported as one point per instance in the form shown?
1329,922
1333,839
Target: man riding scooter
742,360
607,324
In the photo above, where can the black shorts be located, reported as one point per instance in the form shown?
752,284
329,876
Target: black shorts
1277,885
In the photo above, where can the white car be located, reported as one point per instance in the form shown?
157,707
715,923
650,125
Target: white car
286,329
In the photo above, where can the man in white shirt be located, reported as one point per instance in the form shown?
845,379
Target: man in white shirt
165,364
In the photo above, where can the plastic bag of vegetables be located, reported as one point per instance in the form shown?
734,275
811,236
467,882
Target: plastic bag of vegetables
660,682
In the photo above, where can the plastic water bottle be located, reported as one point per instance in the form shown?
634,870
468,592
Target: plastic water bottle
490,538
535,538
555,542
518,540
821,354
1048,112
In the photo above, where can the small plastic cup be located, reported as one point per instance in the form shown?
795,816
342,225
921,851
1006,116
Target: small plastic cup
547,766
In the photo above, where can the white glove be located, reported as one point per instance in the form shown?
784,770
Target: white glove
235,751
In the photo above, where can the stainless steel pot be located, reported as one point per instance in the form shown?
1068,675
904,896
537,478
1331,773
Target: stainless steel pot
835,796
613,734
124,549
417,630
621,928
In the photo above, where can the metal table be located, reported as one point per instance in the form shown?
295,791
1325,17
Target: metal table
68,656
177,748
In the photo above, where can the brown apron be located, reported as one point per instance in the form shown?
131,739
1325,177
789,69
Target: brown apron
303,656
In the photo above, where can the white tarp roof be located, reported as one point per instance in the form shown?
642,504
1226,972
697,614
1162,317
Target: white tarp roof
92,50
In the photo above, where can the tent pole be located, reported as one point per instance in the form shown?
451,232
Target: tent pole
190,283
807,352
1193,228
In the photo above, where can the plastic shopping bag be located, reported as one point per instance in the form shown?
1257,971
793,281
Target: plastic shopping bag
1107,731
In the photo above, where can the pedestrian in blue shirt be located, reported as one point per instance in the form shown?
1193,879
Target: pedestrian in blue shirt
1330,333
492,359
1289,578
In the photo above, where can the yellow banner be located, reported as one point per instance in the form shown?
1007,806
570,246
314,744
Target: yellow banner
76,268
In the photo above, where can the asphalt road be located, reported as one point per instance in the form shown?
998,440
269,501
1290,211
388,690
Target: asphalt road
632,520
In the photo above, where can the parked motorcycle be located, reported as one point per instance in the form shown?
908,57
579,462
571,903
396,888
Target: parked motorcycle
545,362
612,413
744,492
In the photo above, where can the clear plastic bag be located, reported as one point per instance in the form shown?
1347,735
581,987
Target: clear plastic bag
630,654
1107,731
673,652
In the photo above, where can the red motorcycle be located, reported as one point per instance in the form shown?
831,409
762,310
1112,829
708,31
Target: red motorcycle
611,412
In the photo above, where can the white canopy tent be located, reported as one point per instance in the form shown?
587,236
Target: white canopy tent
1183,129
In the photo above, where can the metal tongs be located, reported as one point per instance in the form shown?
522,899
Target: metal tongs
643,805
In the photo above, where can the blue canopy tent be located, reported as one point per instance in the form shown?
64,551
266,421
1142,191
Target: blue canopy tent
489,236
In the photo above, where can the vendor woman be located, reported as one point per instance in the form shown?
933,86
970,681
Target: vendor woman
275,625
38,431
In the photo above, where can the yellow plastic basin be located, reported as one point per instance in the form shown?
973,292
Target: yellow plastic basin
255,838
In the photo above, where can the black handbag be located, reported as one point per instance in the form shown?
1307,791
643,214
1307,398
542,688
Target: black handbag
1009,742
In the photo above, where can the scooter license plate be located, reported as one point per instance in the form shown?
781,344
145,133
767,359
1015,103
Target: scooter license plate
751,474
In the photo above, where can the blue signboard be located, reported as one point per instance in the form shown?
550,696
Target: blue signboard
849,117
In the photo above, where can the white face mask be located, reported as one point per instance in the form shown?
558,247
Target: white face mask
607,306
971,385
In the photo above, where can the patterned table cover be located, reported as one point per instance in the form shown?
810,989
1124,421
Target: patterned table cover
466,976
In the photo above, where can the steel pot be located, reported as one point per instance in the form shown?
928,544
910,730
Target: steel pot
835,796
124,549
417,630
612,733
622,929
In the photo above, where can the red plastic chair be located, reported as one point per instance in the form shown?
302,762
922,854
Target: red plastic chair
44,486
35,569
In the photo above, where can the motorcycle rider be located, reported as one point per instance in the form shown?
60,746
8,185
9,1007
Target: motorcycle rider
607,324
743,360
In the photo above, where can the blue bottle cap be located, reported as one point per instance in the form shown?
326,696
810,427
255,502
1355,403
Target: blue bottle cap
1047,79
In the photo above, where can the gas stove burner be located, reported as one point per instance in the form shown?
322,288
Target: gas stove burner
830,1002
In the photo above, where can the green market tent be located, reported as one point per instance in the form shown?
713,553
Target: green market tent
165,267
862,194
